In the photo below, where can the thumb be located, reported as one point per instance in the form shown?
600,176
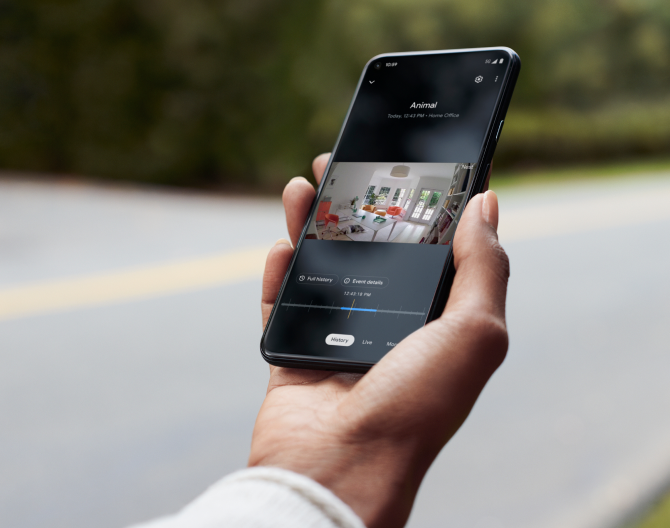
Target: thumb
432,378
482,266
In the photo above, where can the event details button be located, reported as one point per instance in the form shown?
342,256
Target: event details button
365,282
340,340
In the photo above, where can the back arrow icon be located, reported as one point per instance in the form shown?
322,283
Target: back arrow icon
371,82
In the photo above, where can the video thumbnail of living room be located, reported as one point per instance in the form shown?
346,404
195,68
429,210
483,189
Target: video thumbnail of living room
416,203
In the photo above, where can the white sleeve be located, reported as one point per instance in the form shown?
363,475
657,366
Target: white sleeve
263,497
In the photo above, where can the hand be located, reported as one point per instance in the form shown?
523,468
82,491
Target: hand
371,438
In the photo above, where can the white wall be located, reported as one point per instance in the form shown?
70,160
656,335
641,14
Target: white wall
351,179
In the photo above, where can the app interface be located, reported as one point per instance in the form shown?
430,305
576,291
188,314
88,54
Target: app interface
376,246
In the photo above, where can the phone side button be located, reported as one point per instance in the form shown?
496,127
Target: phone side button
499,130
340,340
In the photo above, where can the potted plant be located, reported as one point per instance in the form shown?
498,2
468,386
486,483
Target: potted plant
353,204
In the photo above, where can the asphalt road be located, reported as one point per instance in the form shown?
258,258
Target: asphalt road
119,404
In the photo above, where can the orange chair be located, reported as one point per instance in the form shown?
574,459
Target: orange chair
331,219
369,207
394,210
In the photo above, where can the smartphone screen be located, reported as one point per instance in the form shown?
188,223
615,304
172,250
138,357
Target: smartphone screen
381,232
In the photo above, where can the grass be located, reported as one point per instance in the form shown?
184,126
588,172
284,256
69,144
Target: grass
658,517
507,178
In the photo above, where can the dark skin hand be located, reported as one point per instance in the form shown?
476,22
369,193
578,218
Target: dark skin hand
371,438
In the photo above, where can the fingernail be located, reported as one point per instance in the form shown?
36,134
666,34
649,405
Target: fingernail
490,209
282,241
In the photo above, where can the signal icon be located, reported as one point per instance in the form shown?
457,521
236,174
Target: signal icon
495,61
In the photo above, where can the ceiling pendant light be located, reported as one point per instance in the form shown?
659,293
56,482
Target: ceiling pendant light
400,171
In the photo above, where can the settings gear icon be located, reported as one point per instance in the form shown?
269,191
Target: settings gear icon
479,79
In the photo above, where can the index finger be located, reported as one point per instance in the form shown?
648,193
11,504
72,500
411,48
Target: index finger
298,198
319,166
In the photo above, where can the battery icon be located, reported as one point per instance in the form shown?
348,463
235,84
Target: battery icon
502,60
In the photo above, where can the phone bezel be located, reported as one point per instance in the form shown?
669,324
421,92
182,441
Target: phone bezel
448,272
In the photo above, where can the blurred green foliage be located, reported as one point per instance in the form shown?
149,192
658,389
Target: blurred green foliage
246,92
658,516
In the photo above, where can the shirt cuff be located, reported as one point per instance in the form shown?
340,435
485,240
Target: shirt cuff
263,497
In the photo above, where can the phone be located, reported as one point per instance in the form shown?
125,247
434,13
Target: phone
374,261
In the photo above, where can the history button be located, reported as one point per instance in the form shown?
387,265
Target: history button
340,340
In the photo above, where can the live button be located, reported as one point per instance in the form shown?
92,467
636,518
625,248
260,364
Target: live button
339,340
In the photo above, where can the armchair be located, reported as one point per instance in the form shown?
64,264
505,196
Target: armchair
333,231
395,210
331,219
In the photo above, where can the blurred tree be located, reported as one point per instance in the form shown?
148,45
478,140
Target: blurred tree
238,92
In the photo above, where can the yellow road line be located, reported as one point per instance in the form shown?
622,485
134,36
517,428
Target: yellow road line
527,223
132,284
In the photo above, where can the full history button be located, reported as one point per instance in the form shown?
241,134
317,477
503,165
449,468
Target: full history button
325,279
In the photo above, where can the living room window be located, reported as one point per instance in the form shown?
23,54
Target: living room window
426,205
397,197
383,194
432,204
366,200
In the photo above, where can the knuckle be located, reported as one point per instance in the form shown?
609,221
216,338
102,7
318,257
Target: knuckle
491,335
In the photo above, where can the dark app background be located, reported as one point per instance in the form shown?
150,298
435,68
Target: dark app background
305,329
449,81
383,127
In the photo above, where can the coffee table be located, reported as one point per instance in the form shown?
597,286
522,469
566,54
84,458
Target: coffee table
375,226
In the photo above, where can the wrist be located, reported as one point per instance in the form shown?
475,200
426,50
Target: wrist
378,482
